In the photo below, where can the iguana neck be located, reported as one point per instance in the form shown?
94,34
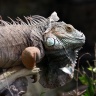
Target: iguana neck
51,76
58,57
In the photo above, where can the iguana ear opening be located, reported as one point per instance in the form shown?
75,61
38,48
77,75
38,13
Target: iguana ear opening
54,17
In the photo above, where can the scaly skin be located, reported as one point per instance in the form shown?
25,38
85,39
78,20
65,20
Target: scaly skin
57,42
62,43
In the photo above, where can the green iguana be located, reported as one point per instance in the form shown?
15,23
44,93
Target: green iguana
58,45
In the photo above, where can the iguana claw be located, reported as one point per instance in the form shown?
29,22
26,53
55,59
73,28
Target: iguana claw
35,70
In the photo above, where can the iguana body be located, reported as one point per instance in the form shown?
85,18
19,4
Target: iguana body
58,43
13,40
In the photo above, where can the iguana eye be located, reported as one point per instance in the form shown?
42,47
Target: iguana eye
69,28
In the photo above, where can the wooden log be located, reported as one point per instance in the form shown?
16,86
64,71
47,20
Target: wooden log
6,78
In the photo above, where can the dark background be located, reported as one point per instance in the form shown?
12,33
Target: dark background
80,13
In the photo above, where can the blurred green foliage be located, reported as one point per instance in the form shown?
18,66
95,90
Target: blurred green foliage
89,81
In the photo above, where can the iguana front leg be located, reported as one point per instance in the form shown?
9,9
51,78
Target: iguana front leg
30,56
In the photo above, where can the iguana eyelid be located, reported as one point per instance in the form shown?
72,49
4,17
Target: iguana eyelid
69,28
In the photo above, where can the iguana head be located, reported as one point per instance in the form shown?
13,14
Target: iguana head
60,35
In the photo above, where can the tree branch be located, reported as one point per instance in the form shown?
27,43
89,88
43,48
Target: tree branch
12,74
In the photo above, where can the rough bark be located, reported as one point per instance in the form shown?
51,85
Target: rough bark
11,75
